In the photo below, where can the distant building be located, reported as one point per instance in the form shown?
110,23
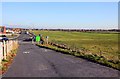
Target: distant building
16,30
2,30
9,31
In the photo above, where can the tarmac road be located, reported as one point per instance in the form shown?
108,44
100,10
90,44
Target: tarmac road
33,61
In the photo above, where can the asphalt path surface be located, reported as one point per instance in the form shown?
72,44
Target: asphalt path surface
33,61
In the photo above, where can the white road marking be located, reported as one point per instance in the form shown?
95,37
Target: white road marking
26,52
45,50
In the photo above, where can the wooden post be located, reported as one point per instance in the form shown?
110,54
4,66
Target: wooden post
8,45
10,42
1,52
4,50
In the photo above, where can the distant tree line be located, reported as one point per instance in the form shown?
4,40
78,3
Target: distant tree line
82,30
76,30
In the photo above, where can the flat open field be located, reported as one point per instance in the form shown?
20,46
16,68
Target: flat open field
91,42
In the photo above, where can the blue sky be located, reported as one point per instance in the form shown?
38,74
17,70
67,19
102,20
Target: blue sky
72,15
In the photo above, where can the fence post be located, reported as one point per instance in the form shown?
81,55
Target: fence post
6,52
10,45
1,52
4,49
7,43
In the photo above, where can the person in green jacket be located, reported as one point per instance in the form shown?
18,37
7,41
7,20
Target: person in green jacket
37,39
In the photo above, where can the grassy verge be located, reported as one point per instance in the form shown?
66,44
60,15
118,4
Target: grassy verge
7,62
91,57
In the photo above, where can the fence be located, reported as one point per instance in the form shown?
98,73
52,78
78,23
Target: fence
6,48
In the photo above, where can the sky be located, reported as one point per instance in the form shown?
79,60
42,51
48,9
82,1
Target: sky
60,0
60,15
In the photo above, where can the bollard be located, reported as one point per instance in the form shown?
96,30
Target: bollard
47,40
32,41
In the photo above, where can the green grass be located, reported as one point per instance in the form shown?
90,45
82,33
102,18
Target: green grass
105,44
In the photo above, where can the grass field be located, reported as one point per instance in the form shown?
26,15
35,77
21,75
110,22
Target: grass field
105,44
